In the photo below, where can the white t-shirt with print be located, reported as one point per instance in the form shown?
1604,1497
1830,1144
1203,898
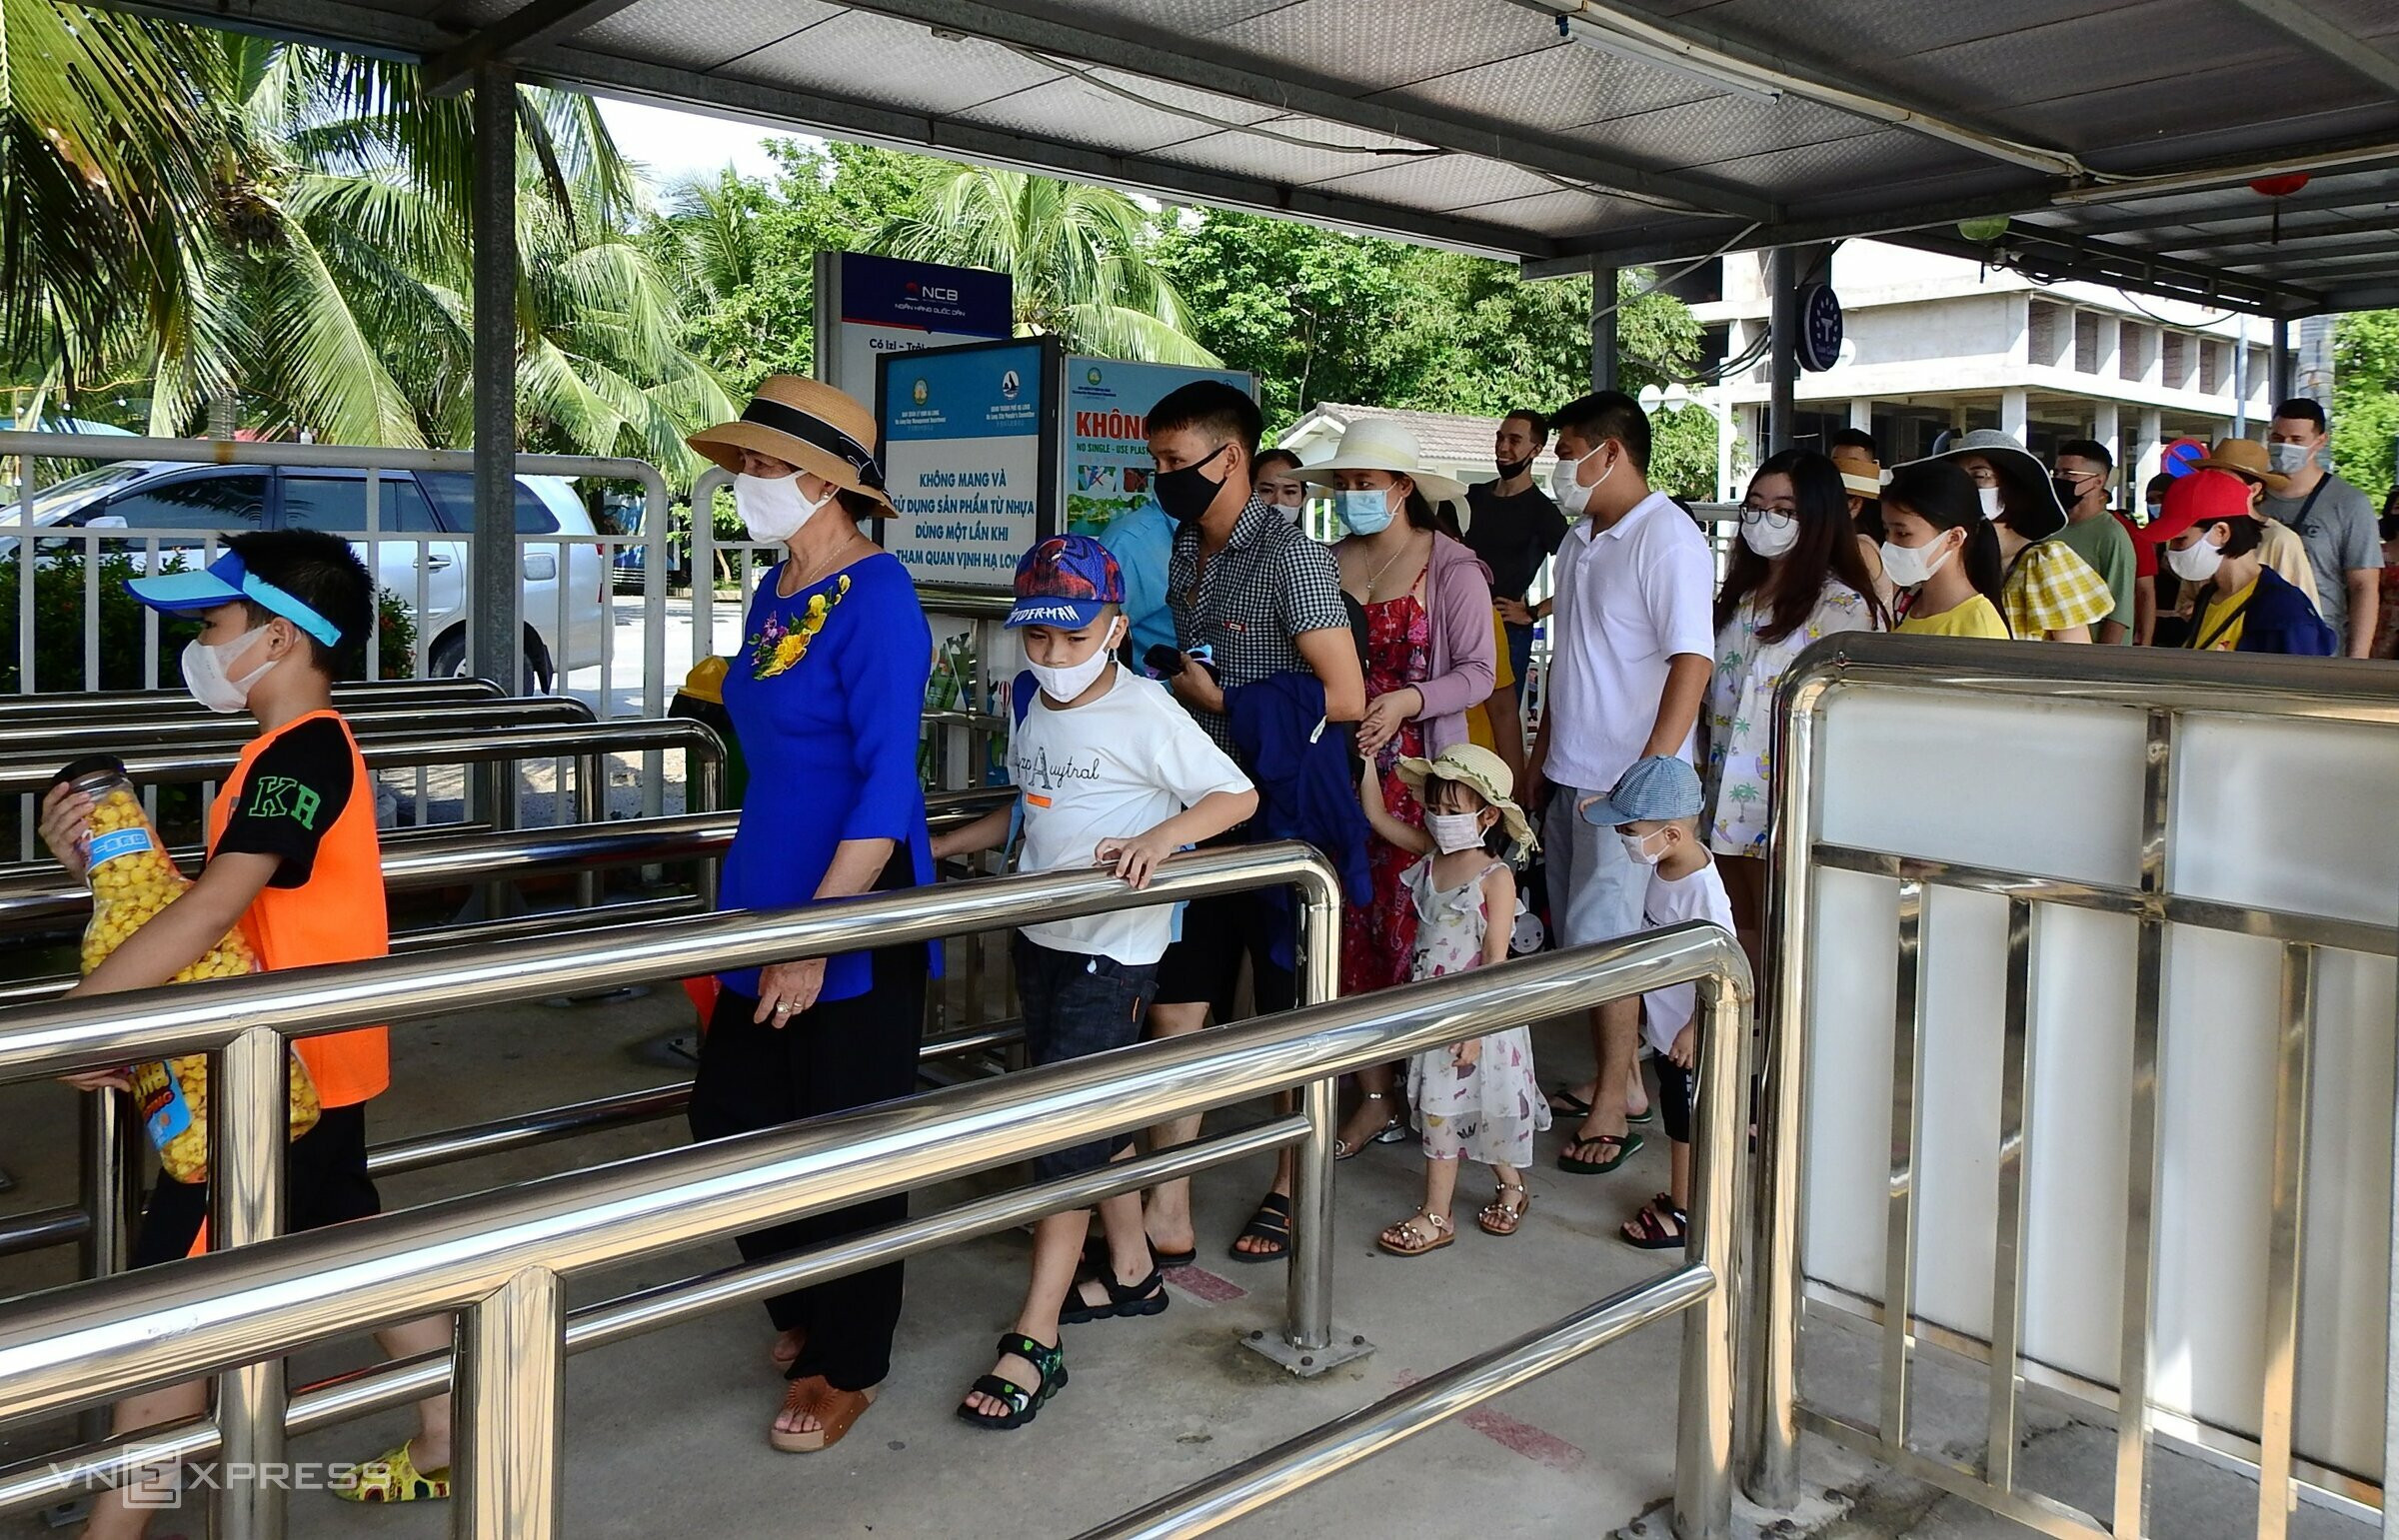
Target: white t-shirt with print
1110,769
1665,1012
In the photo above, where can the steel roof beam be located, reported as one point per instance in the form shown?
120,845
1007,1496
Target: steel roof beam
2327,38
529,26
1741,65
1022,27
2118,267
1634,249
2260,213
2297,247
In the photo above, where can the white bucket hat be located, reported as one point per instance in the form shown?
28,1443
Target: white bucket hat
1379,444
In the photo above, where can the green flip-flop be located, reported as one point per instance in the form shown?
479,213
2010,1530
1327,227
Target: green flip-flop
1627,1145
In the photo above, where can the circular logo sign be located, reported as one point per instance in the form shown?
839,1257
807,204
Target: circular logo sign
1092,377
1009,385
919,393
1820,328
2182,457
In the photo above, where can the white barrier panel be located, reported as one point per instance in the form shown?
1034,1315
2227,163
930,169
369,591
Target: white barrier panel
2261,813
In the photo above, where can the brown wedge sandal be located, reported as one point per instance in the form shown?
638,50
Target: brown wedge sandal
835,1410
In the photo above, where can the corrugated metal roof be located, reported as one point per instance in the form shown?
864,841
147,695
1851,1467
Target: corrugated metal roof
2121,132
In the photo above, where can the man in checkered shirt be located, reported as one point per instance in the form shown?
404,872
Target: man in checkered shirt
1264,598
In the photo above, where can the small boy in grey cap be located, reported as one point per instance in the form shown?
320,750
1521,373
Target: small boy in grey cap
1654,810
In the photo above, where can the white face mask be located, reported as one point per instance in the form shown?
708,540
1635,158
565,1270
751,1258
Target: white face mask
772,507
1909,565
2196,563
1453,831
1065,684
1990,500
1573,497
1769,535
2286,458
1637,847
1291,510
204,671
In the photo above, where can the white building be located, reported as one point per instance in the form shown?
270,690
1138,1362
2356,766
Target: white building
1935,341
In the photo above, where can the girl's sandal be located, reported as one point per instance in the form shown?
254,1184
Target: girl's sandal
1394,1129
392,1477
835,1410
1502,1214
785,1352
1406,1239
1024,1405
1659,1227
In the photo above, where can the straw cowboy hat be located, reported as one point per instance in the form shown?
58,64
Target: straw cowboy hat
802,422
1476,768
2033,507
2246,459
1379,444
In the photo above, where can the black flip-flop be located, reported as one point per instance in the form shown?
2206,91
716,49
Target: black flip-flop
1272,1221
1147,1298
1625,1146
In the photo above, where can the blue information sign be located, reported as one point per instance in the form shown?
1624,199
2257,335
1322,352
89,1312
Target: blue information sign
967,436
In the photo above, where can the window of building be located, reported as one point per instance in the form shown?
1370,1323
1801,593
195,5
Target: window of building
2133,342
2042,330
2214,359
2086,343
2175,367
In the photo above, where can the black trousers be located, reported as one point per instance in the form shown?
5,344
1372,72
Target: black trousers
829,1058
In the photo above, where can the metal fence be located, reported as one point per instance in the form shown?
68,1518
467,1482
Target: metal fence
499,1260
2161,691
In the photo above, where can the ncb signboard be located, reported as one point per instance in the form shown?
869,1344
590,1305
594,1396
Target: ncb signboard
868,306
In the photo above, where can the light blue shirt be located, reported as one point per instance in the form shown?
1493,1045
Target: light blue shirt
1142,541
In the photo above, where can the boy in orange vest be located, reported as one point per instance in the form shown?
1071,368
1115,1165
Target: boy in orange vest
293,862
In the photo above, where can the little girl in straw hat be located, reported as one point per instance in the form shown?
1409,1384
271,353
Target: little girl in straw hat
1478,1099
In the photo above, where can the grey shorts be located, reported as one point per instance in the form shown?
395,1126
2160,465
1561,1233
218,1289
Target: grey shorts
1596,892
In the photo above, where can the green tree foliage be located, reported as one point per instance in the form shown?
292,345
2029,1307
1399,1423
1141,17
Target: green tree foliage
1082,258
1319,317
2365,398
290,242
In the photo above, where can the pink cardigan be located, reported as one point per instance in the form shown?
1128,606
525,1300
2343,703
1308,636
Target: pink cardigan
1464,660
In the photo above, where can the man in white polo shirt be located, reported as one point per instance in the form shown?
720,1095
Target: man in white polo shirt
1633,641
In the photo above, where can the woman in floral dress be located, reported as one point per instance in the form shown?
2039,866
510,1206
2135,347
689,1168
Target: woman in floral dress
1429,654
1796,576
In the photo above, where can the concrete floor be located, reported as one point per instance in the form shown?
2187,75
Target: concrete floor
665,1433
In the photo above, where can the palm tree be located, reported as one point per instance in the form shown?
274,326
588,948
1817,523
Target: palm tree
1079,258
320,270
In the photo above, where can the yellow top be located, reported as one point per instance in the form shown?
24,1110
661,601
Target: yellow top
1977,617
2205,630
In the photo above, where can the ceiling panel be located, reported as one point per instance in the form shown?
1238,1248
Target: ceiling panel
1372,45
891,63
1461,183
668,31
1080,111
1555,88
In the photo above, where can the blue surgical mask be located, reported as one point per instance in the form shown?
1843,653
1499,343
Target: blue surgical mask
1366,512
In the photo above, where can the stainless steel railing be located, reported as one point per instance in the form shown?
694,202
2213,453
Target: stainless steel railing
499,1260
155,705
2163,688
63,736
448,861
245,1022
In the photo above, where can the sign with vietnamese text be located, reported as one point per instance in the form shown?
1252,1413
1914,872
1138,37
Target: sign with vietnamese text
868,306
1107,433
969,443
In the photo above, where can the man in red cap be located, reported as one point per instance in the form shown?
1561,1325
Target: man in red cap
2211,534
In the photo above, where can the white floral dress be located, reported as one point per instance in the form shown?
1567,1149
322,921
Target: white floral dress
1487,1111
1740,712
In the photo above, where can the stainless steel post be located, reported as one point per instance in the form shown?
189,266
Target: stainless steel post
1704,1413
1307,1320
510,1402
249,1119
107,1185
1605,317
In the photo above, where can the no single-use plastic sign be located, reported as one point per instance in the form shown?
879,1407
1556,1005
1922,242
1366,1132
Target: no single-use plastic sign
2183,455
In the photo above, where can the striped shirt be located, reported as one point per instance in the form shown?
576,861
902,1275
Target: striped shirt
1269,585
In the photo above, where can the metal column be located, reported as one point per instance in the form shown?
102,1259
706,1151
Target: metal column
494,627
1782,298
2280,364
1603,327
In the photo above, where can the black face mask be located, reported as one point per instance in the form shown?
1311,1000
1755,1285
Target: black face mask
1185,494
2069,489
1509,470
